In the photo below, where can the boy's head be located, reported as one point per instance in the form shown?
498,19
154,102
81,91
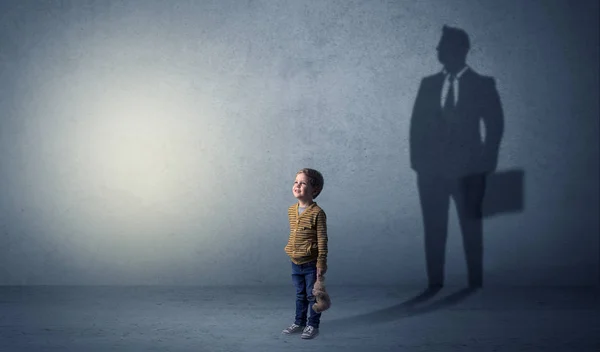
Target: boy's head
308,184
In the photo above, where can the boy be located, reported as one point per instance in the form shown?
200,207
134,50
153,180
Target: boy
307,249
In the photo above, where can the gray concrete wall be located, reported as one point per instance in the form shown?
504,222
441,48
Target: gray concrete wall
156,142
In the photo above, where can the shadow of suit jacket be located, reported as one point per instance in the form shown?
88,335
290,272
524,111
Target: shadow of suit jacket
452,145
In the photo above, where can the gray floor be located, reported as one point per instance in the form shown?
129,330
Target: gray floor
251,319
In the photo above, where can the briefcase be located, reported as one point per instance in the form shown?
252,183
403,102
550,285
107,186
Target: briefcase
504,193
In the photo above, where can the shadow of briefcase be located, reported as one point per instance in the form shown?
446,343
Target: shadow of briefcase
504,193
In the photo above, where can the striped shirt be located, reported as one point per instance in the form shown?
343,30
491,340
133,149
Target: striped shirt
308,235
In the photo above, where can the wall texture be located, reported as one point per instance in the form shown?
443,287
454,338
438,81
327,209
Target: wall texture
156,142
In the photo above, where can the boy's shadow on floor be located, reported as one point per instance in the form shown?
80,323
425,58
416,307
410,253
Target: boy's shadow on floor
403,310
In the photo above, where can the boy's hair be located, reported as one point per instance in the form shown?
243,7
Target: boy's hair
315,178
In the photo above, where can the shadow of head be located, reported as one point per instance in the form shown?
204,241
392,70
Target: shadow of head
453,47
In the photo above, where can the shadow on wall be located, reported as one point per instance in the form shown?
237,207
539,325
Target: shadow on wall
456,128
453,159
504,193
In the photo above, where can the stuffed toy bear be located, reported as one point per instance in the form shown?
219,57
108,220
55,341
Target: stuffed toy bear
323,301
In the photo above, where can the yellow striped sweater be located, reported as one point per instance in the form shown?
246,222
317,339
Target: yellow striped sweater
308,235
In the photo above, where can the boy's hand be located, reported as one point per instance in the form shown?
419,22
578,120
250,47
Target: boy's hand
320,273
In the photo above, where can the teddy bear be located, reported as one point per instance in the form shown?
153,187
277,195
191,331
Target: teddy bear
323,301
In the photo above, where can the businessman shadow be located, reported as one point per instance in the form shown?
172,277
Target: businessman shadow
410,307
456,129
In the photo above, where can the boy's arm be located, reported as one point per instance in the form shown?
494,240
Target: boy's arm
322,241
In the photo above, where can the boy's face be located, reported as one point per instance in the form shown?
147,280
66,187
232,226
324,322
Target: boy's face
302,188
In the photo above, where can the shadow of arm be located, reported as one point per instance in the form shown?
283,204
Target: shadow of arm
493,118
416,137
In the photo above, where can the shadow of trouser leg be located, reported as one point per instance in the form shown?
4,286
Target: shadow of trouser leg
469,200
435,200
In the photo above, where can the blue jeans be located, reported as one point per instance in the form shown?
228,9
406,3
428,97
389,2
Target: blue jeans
304,277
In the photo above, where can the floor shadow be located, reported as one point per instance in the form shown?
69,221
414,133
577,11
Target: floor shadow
406,309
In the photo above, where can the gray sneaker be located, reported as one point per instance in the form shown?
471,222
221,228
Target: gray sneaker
292,329
309,332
